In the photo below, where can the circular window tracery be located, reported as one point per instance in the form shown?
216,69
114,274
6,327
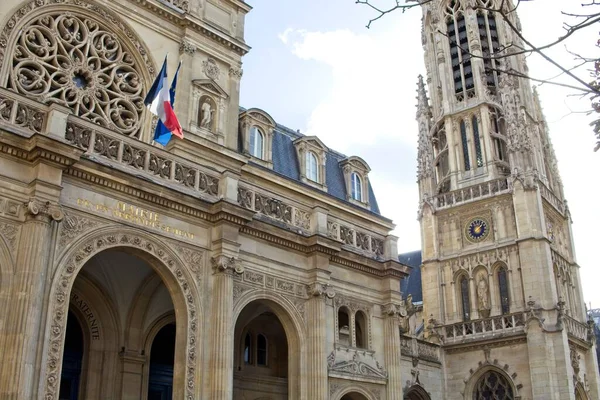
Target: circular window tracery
493,386
77,62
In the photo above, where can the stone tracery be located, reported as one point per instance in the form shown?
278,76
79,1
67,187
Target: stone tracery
79,62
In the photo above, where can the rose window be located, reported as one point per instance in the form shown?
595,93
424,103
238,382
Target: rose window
76,62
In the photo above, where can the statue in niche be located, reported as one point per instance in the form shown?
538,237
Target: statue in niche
482,296
206,114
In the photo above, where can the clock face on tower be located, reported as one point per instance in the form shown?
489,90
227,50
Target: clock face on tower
477,229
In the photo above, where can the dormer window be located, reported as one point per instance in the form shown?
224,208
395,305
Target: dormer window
312,158
356,187
256,130
356,172
312,168
256,143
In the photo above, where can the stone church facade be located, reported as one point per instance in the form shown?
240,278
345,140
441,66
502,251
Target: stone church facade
249,261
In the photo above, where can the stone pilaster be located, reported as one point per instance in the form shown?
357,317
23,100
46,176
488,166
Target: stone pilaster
187,49
221,332
23,325
316,343
391,350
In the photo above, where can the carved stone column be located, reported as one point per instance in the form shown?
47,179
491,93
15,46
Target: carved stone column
391,350
221,331
316,343
24,320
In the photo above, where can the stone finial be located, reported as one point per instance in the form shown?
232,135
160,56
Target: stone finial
423,107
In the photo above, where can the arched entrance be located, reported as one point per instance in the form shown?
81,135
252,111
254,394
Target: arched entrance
120,265
70,388
261,353
353,396
416,392
160,381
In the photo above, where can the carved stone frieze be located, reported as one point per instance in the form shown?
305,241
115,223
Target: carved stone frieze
194,259
355,363
74,226
355,239
59,301
9,233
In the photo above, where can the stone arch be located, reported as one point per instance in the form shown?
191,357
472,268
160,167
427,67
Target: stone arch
166,264
487,367
293,325
129,57
416,392
135,337
148,337
355,389
100,342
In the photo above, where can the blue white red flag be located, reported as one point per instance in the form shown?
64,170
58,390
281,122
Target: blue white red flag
162,135
158,101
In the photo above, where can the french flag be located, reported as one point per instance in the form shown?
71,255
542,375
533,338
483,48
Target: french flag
158,101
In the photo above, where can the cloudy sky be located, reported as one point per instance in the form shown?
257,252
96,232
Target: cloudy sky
315,67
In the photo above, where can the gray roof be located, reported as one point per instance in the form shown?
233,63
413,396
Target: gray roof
285,163
412,283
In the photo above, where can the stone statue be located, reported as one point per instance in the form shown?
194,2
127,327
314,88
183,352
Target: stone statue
206,112
482,293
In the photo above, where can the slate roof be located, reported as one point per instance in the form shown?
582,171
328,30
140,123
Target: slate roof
412,283
285,163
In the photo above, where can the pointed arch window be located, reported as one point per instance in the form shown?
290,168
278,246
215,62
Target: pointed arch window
476,139
465,145
464,297
261,350
256,143
312,167
503,289
488,36
356,187
459,48
493,385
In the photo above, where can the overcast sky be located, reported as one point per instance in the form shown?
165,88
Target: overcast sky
315,67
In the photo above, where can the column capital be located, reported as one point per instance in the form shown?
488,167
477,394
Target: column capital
321,289
43,210
228,265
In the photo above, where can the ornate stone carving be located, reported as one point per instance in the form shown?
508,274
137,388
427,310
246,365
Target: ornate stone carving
79,62
229,265
206,114
59,304
9,232
194,259
236,73
355,363
483,301
73,227
45,211
211,69
321,289
239,290
187,47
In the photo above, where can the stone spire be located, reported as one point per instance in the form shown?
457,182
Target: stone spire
423,108
549,155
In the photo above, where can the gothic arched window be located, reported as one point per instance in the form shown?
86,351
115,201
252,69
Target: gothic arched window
459,48
464,297
465,145
261,350
312,167
488,36
493,385
84,63
356,187
477,140
503,289
256,143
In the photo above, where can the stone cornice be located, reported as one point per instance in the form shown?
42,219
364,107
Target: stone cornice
39,148
472,345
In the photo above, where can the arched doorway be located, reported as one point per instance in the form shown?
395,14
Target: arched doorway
261,365
70,378
353,396
119,263
162,358
416,392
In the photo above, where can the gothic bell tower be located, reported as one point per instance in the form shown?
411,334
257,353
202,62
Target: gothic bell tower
498,257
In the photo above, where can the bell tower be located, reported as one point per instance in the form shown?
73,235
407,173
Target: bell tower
497,249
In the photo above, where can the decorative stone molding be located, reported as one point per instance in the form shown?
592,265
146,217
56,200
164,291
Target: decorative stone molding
321,289
194,259
225,264
337,388
211,69
73,227
187,47
419,349
306,145
274,209
355,239
137,157
236,73
356,364
24,116
356,165
68,268
9,232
